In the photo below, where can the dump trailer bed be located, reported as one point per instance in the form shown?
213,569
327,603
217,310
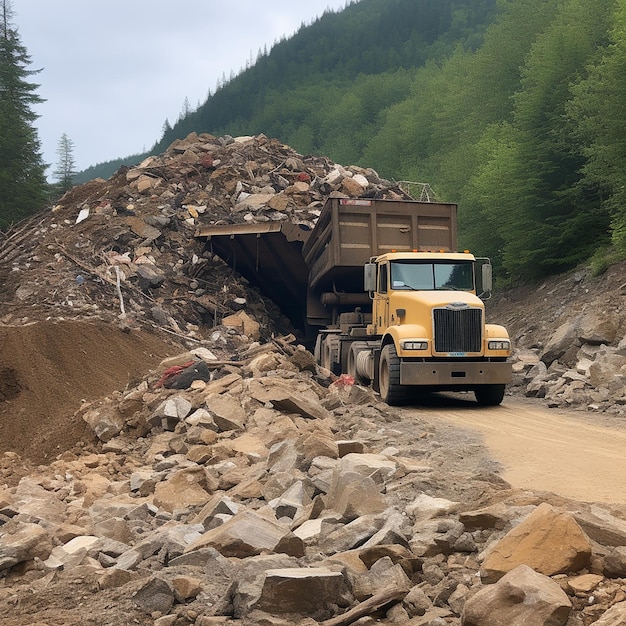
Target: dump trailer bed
312,274
350,231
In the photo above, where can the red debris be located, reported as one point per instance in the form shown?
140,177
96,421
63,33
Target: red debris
172,371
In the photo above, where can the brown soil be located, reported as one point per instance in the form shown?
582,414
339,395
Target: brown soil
48,369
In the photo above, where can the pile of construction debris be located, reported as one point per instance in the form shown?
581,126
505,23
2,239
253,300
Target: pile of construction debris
263,490
125,248
574,353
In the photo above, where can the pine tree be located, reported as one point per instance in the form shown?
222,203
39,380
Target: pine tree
65,171
23,187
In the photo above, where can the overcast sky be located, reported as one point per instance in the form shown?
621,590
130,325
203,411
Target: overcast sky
113,71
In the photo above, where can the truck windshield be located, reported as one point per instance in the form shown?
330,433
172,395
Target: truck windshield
417,275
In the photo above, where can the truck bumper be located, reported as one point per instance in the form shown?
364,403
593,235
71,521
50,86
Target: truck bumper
455,374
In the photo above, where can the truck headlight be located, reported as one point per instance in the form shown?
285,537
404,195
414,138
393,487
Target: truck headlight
499,344
414,344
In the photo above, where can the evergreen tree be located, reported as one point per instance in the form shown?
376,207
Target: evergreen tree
597,110
562,220
65,171
23,187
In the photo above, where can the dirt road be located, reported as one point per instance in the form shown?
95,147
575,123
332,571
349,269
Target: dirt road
574,454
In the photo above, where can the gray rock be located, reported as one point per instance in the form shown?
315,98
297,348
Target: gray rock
306,591
564,338
353,495
615,563
157,595
615,616
20,542
248,534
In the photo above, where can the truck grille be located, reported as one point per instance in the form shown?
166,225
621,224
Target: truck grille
458,329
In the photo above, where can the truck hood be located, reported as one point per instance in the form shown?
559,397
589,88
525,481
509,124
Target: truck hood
417,306
434,299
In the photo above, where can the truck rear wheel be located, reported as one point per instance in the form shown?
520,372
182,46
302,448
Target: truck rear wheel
489,395
351,366
323,352
391,391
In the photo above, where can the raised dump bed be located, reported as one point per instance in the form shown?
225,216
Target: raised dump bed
269,255
309,273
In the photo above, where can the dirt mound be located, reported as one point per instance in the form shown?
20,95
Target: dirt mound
50,368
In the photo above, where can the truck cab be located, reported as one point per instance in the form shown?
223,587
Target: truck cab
430,325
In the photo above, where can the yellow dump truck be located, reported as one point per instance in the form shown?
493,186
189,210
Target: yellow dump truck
390,300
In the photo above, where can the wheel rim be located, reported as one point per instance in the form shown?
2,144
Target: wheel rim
351,365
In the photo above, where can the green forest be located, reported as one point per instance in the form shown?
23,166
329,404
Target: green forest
514,109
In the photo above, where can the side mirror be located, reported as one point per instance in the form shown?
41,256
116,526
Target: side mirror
487,272
369,277
486,279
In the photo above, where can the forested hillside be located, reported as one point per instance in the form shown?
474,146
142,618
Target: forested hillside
511,108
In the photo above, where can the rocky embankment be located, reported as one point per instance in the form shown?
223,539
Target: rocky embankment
569,337
240,483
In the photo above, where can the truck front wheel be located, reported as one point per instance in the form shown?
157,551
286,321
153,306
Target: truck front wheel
391,391
489,395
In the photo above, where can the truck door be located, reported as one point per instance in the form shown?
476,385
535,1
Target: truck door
381,299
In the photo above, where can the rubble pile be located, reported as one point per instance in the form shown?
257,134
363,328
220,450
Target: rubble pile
262,490
125,250
574,355
126,247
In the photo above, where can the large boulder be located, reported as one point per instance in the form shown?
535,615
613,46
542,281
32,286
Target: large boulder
547,540
520,598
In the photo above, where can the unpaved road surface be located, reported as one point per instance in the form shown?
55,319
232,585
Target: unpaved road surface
574,454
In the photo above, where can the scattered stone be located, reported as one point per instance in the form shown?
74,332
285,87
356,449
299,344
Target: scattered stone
248,534
157,595
305,591
239,482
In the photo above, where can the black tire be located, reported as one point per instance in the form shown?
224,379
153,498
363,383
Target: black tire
489,395
391,391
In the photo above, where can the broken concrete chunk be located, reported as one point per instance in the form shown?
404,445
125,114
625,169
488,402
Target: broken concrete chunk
185,488
305,591
247,534
426,507
353,495
227,412
20,542
383,574
294,403
157,595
